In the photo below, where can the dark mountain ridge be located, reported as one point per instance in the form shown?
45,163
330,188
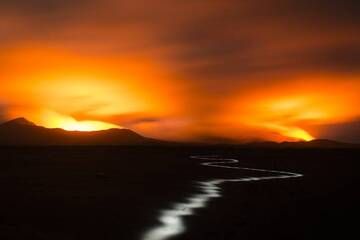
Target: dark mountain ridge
17,122
316,143
20,131
23,132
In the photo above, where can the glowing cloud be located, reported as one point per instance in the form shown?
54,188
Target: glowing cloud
60,90
291,111
168,62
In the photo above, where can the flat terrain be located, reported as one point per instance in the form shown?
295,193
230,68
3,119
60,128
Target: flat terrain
90,193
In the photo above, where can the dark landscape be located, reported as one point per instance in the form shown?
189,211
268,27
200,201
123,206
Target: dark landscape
117,192
21,131
179,120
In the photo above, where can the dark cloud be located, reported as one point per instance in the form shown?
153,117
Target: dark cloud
346,132
203,39
126,120
214,38
340,58
132,120
38,6
142,120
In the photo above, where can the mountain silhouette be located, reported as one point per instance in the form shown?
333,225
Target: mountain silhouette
20,131
316,143
17,122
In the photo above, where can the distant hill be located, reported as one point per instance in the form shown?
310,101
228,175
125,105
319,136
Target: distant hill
317,143
17,122
20,131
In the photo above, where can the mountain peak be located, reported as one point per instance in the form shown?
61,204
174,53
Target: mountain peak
20,131
19,121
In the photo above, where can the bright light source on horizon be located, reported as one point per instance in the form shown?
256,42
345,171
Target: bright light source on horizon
87,126
55,120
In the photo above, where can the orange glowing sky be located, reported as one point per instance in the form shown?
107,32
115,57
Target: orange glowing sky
184,70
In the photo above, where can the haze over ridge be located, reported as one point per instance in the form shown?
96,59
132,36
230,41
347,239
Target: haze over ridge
243,70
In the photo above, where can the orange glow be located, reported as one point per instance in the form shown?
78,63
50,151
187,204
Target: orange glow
54,120
291,111
83,94
111,86
290,132
56,89
86,126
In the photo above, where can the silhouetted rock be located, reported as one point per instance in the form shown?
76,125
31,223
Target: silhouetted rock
317,143
18,121
23,132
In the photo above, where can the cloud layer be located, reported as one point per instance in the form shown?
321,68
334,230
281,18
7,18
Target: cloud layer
194,61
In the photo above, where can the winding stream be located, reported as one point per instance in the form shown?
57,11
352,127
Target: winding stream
172,219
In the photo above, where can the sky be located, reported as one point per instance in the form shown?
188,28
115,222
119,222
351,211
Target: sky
199,70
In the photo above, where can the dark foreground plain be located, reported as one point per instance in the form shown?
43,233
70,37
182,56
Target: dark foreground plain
111,193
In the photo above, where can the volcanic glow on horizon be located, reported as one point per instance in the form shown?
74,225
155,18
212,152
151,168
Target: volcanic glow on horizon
53,120
164,70
97,97
294,110
86,97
